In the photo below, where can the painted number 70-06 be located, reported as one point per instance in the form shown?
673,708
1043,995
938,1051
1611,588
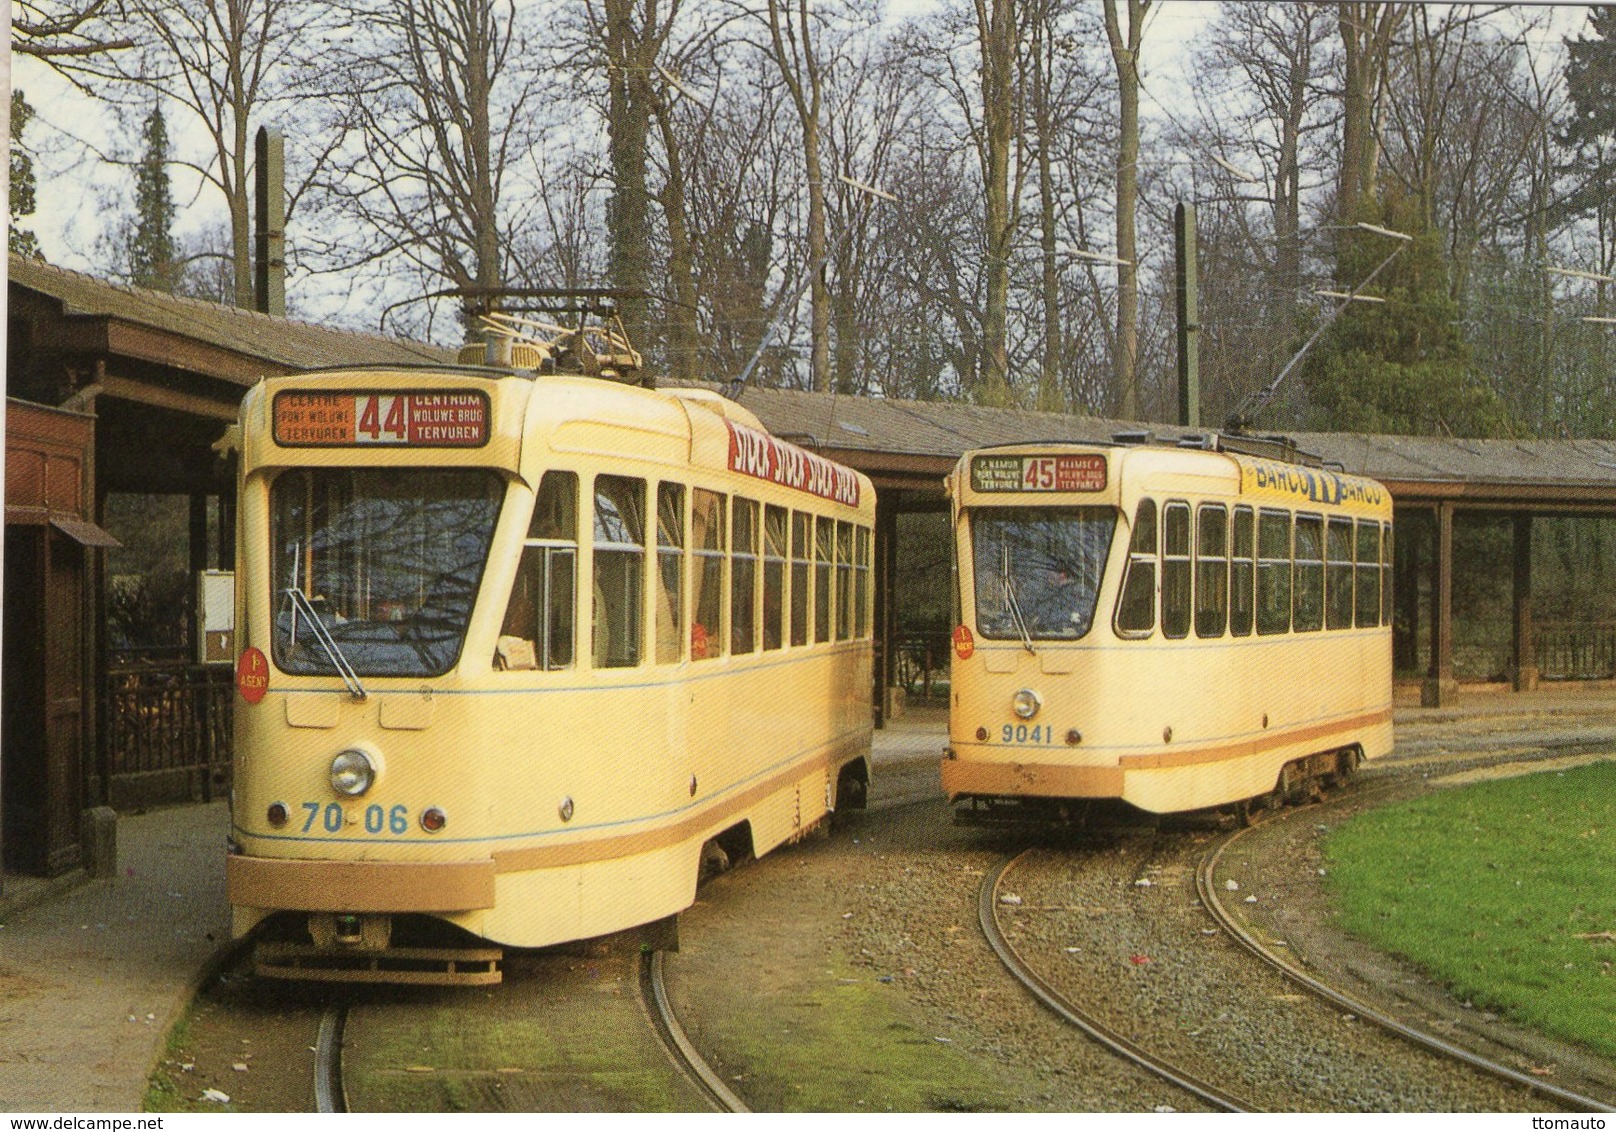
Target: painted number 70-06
377,820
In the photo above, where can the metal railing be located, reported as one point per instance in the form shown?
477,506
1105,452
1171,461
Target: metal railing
167,731
920,663
1575,650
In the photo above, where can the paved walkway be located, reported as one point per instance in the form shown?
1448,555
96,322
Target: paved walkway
92,975
91,978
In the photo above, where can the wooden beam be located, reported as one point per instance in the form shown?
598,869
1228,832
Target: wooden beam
129,389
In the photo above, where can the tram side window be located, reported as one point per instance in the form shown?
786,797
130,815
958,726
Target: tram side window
1338,594
1211,570
824,568
1242,572
1273,572
707,539
1386,575
743,577
619,570
844,581
539,618
802,537
1176,569
670,627
1309,614
1368,585
1136,605
861,583
776,521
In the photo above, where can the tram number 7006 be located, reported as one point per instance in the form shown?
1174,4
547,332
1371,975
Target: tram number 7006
332,817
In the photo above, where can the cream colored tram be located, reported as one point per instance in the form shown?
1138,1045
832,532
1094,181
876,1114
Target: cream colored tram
514,648
1169,627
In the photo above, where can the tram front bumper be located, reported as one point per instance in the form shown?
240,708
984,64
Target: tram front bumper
359,886
1044,780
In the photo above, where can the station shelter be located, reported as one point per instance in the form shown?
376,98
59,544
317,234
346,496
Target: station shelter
117,394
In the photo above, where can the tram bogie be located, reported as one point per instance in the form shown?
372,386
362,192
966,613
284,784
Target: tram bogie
1171,629
515,646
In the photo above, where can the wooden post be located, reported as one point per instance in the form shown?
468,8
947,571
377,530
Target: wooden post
1441,689
886,564
1523,667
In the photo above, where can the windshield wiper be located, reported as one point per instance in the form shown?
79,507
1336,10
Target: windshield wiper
1008,588
301,603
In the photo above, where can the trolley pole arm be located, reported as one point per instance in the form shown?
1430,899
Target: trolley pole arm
1242,417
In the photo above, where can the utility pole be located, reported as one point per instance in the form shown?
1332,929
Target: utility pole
1189,321
269,241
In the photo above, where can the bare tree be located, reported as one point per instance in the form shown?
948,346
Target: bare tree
792,37
437,108
61,30
224,61
1368,29
1125,54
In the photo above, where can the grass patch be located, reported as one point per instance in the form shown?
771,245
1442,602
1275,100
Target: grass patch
841,1041
1504,891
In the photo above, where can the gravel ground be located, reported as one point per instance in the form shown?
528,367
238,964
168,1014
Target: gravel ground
1122,932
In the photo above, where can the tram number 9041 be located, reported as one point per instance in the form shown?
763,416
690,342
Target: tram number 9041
332,817
1021,733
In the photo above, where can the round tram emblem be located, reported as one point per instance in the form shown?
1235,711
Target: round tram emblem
252,675
964,643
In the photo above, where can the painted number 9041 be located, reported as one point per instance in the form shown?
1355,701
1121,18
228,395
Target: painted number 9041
1021,733
331,817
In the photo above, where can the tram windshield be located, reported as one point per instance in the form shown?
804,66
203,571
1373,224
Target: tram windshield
1038,569
389,559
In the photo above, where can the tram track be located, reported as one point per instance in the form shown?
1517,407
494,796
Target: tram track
1238,933
1072,1013
676,1043
329,1094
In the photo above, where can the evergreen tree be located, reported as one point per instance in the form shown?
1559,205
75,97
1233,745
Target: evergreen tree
21,240
151,245
1399,366
1590,129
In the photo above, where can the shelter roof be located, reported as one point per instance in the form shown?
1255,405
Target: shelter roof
284,343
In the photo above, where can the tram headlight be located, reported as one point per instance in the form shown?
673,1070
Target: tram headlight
352,773
1026,703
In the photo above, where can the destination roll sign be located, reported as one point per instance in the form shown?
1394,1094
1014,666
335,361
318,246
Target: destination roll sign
1083,472
310,418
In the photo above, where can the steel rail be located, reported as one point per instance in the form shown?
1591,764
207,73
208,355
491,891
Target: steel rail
1220,915
1068,1011
684,1055
329,1094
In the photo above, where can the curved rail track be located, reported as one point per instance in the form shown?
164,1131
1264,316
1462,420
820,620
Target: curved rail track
1236,931
331,1096
987,915
674,1040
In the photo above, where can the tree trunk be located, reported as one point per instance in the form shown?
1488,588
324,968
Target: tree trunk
1367,27
631,50
1050,395
997,30
684,340
1125,53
